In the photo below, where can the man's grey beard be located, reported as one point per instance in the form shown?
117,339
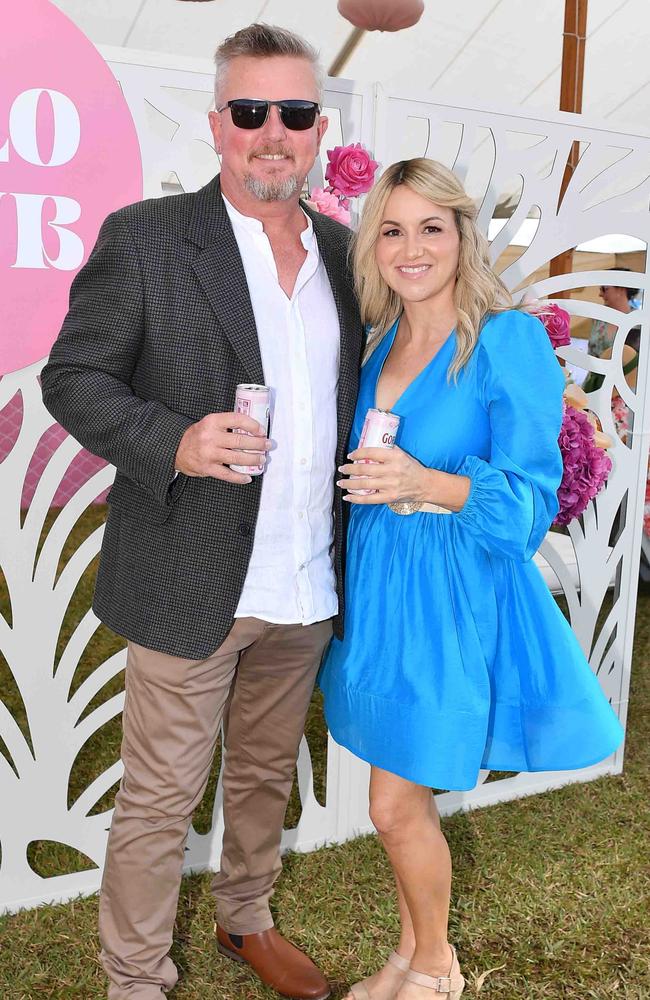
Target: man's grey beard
280,190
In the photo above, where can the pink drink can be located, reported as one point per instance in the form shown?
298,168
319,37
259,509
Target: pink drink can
255,402
379,431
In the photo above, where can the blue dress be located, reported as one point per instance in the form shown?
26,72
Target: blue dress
456,656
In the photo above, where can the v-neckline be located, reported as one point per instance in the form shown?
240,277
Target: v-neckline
392,334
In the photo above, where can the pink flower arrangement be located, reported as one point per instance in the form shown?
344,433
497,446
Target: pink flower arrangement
556,322
351,170
330,204
586,467
584,456
586,463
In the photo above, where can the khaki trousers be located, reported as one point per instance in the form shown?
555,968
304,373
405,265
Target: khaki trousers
259,683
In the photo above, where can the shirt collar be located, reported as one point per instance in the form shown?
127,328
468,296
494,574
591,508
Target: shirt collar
252,225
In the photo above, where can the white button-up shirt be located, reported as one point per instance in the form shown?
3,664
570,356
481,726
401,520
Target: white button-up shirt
291,576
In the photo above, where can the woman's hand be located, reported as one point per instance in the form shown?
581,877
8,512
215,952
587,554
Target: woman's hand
395,475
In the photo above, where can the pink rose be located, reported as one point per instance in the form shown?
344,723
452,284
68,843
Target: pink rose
556,322
327,203
350,170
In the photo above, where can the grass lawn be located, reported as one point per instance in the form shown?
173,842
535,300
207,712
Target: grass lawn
551,894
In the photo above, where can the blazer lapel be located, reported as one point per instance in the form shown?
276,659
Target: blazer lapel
220,272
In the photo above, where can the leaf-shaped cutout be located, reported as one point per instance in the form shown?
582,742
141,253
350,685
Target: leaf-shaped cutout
5,600
606,621
562,604
80,602
4,752
13,701
518,139
317,740
81,468
447,138
608,646
11,419
49,442
520,241
294,806
202,819
106,802
414,137
619,521
160,124
500,776
626,180
508,200
171,184
100,751
623,418
49,858
478,169
80,471
102,645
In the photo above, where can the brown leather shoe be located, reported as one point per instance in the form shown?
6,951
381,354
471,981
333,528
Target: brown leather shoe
277,962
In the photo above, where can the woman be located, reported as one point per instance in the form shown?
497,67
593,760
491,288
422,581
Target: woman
601,336
455,655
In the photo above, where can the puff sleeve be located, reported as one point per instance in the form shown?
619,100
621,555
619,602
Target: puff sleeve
513,493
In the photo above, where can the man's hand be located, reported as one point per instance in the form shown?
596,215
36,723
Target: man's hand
209,446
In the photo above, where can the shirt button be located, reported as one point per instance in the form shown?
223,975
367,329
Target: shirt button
303,461
245,530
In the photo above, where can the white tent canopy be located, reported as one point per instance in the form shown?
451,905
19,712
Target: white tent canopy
491,53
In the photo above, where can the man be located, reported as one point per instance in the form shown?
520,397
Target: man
224,584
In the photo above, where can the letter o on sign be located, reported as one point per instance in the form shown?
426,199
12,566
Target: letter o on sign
23,130
69,155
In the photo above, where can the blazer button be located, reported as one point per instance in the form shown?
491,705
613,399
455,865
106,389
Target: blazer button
245,530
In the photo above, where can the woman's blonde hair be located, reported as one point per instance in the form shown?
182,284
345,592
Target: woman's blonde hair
478,290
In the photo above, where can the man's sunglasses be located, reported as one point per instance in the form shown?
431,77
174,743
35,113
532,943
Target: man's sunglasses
295,115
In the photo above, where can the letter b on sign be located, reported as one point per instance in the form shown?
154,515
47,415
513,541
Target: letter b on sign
69,155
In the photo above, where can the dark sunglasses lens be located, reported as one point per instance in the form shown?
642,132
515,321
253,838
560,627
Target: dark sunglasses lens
249,114
298,115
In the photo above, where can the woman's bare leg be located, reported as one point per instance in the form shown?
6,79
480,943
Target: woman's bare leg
408,824
407,821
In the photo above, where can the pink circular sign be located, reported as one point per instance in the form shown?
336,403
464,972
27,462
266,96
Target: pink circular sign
69,155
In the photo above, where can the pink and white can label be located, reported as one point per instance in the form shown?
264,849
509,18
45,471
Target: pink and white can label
255,402
379,431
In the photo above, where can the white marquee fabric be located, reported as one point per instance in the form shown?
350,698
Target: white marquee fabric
494,53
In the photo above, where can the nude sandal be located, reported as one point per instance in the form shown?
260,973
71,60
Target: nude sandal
452,985
360,991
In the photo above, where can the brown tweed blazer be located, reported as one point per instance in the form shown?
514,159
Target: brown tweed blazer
160,331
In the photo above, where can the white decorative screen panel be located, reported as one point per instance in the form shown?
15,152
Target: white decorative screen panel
505,160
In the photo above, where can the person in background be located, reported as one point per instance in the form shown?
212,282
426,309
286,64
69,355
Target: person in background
225,585
455,655
617,297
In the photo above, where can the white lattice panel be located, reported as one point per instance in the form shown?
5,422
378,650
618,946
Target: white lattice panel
608,194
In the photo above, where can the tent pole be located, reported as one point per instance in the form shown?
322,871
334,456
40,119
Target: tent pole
573,67
349,46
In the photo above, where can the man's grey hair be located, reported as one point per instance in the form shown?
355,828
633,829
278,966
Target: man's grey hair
262,41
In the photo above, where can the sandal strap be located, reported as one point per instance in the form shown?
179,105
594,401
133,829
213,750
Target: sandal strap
440,984
399,961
